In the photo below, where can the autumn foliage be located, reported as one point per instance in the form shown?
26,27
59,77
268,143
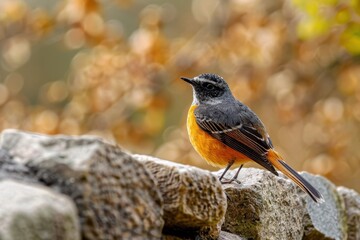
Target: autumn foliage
112,68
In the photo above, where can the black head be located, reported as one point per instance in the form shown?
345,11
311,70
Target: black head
209,88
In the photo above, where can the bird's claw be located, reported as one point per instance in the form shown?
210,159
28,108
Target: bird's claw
228,181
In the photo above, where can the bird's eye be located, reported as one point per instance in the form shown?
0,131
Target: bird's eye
209,86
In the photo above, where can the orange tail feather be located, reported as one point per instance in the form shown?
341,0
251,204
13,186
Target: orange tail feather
277,161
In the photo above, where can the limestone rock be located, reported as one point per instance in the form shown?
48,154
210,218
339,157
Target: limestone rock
223,236
352,208
14,170
263,206
326,220
114,193
193,198
124,196
34,212
229,236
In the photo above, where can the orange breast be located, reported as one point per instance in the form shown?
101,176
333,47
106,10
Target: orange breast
212,150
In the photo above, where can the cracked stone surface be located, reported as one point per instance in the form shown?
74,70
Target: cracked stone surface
352,208
326,220
263,206
118,195
193,198
33,212
230,236
113,192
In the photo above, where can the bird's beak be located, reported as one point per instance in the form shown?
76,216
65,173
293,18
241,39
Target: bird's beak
188,80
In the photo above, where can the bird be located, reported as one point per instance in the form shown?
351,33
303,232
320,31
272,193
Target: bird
227,133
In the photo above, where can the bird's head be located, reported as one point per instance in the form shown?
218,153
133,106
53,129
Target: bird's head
209,88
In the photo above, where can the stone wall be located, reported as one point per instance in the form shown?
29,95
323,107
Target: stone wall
62,187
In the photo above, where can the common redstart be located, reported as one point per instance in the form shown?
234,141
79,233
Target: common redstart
226,132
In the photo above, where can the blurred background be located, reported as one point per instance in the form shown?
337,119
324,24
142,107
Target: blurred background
111,68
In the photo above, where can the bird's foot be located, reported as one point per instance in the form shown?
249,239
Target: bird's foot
228,181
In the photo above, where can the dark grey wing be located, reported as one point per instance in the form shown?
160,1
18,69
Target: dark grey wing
250,140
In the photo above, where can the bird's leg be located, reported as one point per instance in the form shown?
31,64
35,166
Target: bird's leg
234,178
237,174
226,169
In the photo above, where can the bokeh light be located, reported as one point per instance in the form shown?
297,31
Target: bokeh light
112,68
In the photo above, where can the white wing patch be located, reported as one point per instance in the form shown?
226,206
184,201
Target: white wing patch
229,129
249,139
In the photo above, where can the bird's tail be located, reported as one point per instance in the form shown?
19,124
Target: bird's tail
277,161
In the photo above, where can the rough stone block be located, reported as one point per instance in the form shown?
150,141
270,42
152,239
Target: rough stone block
230,236
34,212
263,206
193,198
114,192
326,220
124,196
352,208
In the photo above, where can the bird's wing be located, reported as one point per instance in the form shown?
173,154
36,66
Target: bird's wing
249,139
